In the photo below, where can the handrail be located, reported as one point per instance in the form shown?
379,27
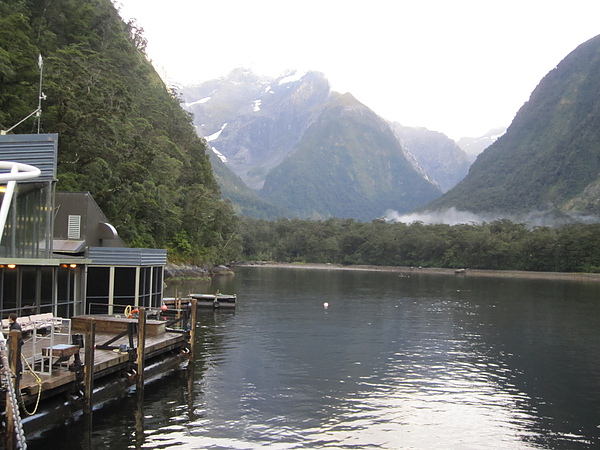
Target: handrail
18,172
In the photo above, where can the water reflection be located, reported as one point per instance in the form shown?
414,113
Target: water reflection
393,362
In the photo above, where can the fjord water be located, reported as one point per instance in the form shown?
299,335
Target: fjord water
409,360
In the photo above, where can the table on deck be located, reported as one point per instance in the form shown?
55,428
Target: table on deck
108,324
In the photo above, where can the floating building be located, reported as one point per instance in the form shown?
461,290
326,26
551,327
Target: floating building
58,253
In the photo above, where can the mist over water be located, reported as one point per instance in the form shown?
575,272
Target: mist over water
453,216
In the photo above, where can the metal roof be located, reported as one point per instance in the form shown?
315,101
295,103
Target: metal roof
68,246
38,150
118,256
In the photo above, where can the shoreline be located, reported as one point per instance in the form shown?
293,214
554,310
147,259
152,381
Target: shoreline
571,276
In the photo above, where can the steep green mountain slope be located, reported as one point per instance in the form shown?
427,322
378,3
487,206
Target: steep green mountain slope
549,157
348,164
122,135
441,158
244,200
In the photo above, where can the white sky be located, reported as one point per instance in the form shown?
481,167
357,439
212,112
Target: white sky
459,67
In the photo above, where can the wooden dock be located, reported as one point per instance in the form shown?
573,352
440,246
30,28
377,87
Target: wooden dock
105,362
119,354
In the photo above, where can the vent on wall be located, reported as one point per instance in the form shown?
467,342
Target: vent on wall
74,231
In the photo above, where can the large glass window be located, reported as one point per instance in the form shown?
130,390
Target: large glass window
47,290
145,286
98,295
125,286
157,286
65,294
9,291
29,290
26,233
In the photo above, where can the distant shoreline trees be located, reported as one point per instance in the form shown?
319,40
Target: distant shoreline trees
498,245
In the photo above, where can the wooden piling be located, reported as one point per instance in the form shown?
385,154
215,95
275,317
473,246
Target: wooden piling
15,355
141,348
88,370
140,436
193,319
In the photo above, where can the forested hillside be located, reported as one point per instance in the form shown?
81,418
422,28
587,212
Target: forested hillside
122,135
549,157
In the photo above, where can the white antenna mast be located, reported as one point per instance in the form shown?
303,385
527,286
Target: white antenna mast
38,111
41,95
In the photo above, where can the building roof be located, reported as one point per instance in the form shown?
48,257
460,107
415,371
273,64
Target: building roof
38,150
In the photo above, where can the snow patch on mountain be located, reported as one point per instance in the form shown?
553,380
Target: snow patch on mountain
220,155
292,78
198,102
216,135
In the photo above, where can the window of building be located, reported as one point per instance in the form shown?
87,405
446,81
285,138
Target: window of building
28,222
125,286
98,295
157,286
9,291
47,290
29,290
65,295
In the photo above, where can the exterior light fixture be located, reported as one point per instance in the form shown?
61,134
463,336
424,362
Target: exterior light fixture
11,266
72,266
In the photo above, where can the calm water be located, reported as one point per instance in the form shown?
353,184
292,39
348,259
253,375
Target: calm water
426,361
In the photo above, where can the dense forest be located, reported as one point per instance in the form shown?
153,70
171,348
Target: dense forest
123,135
499,245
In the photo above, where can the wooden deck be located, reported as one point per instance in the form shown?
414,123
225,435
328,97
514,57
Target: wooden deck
76,385
105,361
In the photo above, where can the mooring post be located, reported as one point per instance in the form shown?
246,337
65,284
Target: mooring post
193,329
141,349
140,436
88,370
15,356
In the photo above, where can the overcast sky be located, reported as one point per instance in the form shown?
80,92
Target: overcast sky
459,67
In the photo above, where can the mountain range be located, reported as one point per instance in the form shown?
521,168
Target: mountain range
299,149
292,147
